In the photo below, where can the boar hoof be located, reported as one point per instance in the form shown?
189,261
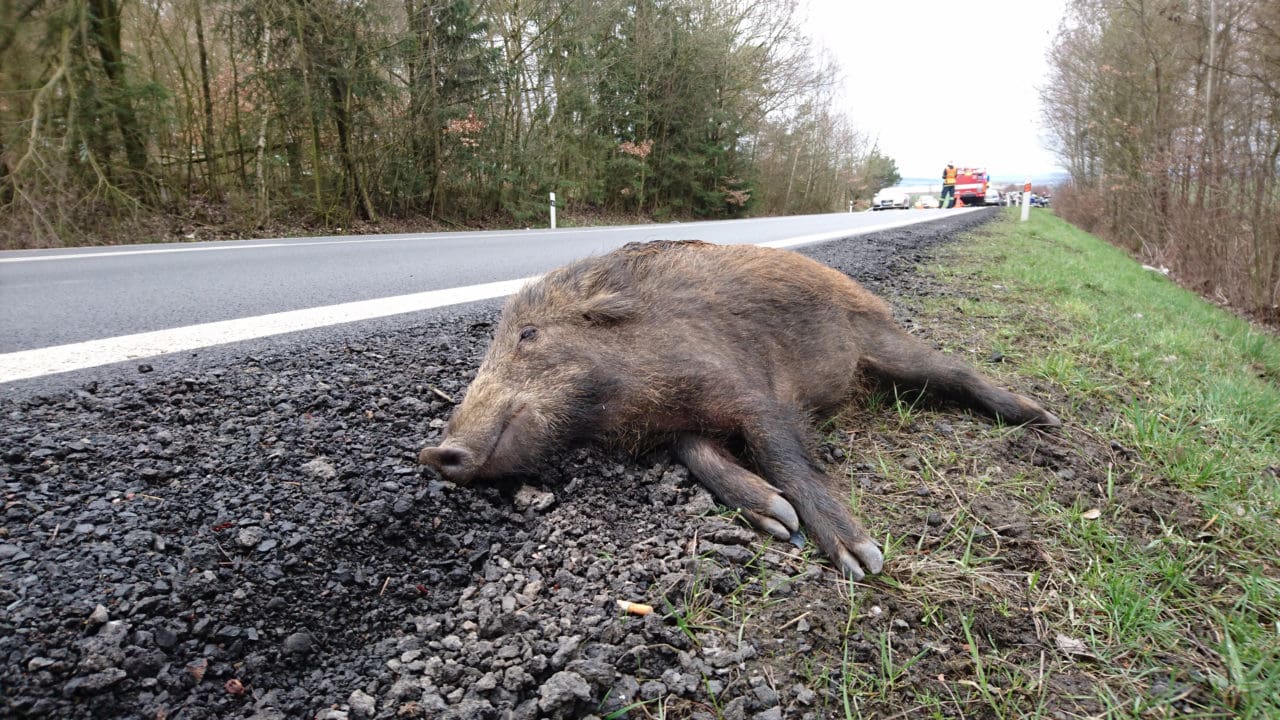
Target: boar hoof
1033,414
868,559
780,521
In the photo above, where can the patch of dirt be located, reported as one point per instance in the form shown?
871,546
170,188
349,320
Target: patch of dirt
256,540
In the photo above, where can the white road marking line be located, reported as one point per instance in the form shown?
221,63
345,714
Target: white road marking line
26,364
92,353
837,234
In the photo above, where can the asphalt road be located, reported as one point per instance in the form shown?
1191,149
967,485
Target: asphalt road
60,298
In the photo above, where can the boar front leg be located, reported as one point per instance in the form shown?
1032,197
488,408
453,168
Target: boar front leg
777,443
715,468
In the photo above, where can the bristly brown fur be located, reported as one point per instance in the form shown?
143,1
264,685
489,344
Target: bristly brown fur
708,347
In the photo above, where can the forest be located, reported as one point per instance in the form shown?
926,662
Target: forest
1166,114
129,120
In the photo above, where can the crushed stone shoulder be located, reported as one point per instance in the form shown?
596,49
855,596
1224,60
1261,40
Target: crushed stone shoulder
256,539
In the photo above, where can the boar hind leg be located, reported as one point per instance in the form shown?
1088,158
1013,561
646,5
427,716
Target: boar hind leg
909,364
777,442
759,501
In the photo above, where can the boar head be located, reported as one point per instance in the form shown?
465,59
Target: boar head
553,364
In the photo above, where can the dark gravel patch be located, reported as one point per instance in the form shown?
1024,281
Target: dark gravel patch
256,540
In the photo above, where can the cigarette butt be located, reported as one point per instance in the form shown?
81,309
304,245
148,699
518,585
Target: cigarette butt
634,608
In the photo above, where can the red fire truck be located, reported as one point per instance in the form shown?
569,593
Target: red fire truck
971,186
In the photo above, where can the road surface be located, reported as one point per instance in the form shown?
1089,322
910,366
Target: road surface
65,310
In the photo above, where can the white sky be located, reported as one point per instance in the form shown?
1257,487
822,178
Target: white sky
897,54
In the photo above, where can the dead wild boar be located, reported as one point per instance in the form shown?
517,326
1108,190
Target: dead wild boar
725,353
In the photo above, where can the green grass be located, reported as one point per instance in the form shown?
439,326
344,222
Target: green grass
1193,392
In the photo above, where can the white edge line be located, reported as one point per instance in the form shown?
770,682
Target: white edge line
27,364
838,234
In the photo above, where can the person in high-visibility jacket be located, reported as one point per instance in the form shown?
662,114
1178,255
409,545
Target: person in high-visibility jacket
949,186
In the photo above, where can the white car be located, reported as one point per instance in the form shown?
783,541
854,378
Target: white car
889,198
927,202
993,197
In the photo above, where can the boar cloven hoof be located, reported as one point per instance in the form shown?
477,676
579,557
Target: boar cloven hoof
781,520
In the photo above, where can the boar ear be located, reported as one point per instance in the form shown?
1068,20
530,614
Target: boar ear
607,309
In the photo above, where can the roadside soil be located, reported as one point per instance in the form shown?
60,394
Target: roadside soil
256,540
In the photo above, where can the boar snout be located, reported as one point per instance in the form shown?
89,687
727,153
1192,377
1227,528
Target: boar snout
455,463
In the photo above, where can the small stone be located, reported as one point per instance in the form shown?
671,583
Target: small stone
487,682
99,615
773,713
36,664
567,646
95,683
530,498
405,687
145,368
299,643
320,469
900,624
934,519
562,692
735,709
653,690
362,704
200,628
165,638
766,695
250,537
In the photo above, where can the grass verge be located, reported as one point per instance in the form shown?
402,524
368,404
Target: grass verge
1158,508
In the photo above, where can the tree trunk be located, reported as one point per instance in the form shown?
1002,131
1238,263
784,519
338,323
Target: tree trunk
104,21
311,112
357,198
211,165
260,154
235,101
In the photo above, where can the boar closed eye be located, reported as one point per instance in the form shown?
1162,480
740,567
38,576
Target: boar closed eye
528,333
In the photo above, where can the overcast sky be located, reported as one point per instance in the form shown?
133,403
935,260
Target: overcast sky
937,80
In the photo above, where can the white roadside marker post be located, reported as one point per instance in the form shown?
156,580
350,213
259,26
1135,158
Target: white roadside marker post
1026,200
553,211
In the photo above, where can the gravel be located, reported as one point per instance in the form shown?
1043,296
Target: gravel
256,540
